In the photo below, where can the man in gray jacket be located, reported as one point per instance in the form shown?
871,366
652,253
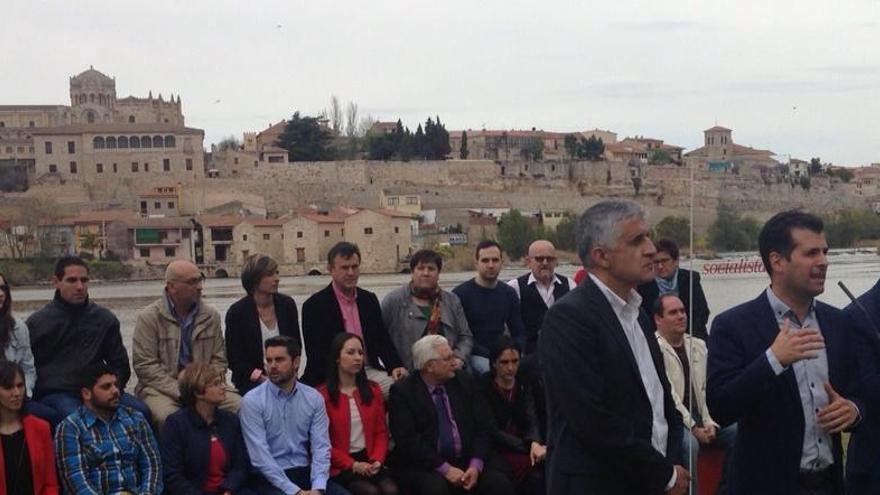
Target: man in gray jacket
421,308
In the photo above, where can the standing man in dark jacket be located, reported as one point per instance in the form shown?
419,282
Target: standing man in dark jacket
344,307
669,278
613,428
68,335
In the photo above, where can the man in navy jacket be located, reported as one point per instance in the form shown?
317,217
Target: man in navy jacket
784,367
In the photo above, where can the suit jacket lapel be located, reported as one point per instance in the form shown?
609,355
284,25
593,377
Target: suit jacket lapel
335,311
602,308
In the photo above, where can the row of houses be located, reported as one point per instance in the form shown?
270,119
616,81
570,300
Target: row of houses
299,240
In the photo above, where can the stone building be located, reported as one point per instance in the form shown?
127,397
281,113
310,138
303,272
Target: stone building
720,153
385,238
259,236
162,240
309,236
100,137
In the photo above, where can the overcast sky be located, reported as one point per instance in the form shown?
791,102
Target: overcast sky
801,78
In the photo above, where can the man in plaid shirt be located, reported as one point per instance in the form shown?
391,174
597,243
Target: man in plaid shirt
103,448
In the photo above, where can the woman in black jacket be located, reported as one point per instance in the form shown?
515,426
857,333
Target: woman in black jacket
261,314
202,448
515,432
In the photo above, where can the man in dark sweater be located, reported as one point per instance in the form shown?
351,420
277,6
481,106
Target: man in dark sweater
490,307
67,336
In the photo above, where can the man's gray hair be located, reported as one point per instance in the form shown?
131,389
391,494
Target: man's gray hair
425,349
598,225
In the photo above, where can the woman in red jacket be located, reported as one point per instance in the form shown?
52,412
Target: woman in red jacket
358,435
27,462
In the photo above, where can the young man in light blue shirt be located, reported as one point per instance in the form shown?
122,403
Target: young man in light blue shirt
285,428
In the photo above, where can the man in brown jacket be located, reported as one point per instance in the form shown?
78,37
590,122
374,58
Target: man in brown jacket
175,330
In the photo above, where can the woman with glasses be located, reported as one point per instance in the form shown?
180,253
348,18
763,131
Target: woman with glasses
358,435
14,338
27,462
261,314
202,448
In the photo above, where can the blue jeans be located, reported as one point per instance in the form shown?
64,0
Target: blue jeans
301,477
724,439
57,406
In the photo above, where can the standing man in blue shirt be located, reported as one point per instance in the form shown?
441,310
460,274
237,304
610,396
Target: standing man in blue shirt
786,368
286,429
103,447
490,307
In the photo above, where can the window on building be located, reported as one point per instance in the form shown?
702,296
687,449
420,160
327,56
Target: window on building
2,124
157,205
326,233
171,205
115,168
53,168
299,234
412,200
20,149
111,142
166,164
244,237
99,168
146,167
122,141
267,237
146,142
9,149
392,201
170,252
48,147
134,142
235,160
158,142
144,206
31,123
300,255
134,166
145,252
368,230
73,167
396,230
71,147
189,164
245,253
170,142
131,119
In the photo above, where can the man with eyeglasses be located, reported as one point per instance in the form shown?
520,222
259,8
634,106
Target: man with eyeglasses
669,278
172,332
68,335
539,289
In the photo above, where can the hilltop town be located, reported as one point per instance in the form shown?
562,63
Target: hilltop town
126,179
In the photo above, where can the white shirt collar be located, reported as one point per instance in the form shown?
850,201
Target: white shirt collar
633,301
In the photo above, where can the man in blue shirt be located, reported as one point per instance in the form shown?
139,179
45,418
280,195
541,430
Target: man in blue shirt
285,428
103,447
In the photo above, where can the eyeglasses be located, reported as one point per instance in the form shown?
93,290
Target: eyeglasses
544,259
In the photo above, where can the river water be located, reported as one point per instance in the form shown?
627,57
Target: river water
858,270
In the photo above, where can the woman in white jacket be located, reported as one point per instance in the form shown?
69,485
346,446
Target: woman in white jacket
14,338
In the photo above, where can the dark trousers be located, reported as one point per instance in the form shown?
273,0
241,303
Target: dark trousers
430,482
300,476
818,484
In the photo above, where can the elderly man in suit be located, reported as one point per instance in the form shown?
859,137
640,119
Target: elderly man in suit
442,427
612,423
785,367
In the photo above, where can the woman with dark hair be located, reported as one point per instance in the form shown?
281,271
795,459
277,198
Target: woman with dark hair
261,314
14,338
27,461
512,405
358,435
202,448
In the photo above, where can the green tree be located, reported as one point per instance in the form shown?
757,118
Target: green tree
815,166
731,232
533,149
463,152
305,139
565,234
591,149
571,145
228,143
675,228
514,234
659,157
844,174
